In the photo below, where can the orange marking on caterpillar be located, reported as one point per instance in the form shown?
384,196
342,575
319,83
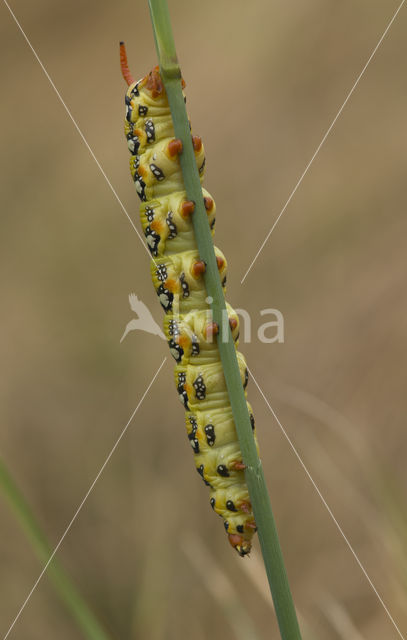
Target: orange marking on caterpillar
198,268
251,525
197,143
244,506
156,225
154,83
220,262
175,147
183,341
187,208
211,329
208,202
171,285
238,466
232,323
124,65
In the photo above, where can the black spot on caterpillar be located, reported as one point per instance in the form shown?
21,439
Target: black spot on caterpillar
210,434
177,276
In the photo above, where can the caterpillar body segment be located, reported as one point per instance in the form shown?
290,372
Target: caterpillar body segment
177,274
190,336
166,223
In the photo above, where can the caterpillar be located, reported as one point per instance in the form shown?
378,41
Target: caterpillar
177,274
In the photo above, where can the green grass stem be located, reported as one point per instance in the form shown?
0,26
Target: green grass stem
63,585
270,546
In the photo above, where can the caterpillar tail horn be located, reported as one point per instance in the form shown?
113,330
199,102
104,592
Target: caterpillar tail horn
124,65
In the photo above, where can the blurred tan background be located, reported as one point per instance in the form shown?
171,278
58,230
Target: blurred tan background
264,82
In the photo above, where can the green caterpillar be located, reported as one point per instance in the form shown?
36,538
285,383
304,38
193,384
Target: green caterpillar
177,274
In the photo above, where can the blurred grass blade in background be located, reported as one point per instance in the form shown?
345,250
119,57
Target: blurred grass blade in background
70,596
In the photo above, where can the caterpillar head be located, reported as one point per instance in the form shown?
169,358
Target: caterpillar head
241,545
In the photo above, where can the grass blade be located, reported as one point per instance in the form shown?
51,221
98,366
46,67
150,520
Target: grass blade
271,550
65,588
